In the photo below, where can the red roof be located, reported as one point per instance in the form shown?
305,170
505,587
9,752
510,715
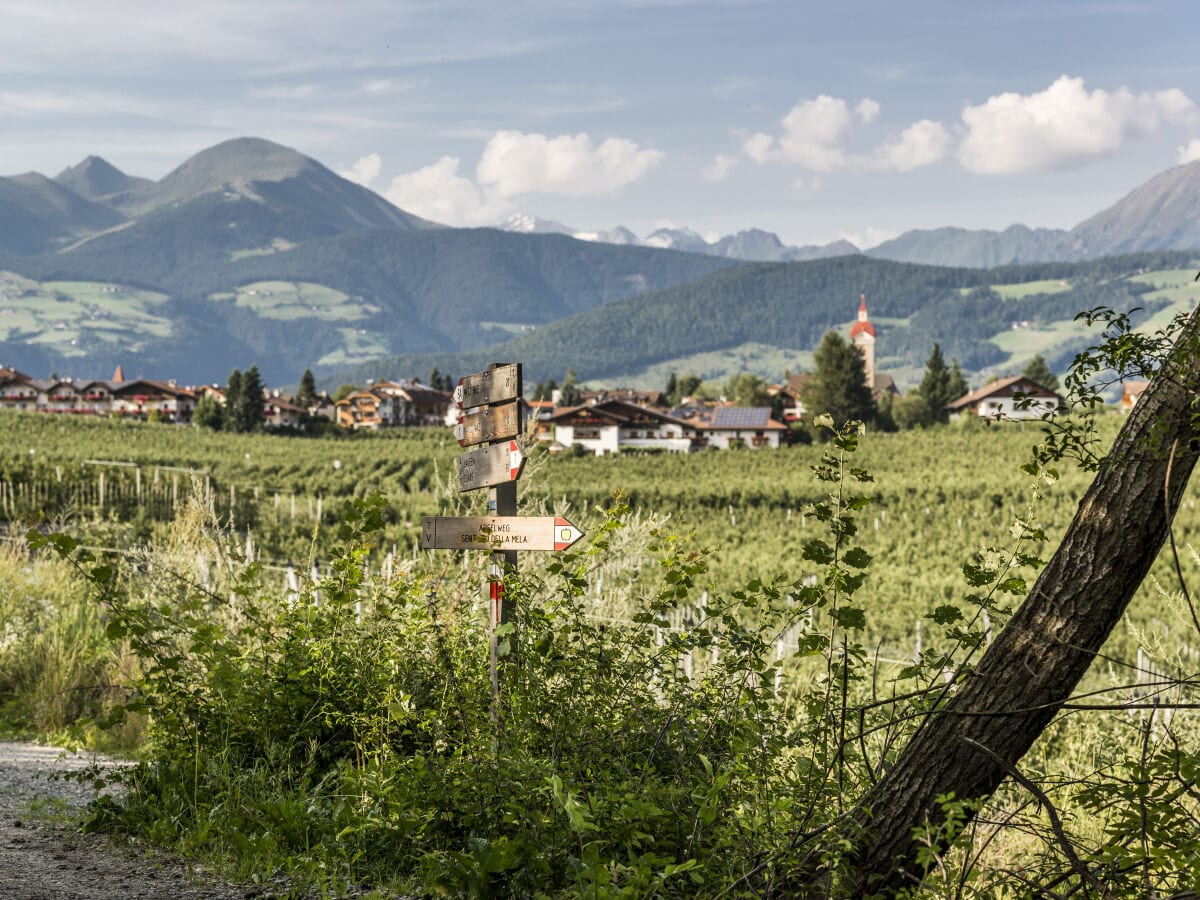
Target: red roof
861,328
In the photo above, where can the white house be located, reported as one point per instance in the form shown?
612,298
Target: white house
612,425
737,426
1010,399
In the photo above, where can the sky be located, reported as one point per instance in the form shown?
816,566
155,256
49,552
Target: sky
855,119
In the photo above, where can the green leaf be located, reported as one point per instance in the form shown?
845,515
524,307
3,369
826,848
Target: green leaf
817,551
946,615
850,617
857,557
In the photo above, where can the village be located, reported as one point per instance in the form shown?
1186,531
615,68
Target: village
601,422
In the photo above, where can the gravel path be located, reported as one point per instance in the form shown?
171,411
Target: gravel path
40,860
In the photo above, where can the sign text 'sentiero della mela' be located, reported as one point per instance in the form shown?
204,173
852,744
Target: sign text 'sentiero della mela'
554,533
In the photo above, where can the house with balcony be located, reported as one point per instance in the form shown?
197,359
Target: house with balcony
1015,398
725,427
610,426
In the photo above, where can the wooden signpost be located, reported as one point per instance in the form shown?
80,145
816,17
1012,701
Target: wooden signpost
498,533
490,422
502,381
490,466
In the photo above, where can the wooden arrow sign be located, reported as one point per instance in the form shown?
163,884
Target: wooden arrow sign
553,533
489,466
490,423
493,386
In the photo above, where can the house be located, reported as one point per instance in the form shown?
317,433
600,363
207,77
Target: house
610,426
1131,393
541,413
737,426
279,412
142,397
359,409
17,390
652,399
1010,399
391,404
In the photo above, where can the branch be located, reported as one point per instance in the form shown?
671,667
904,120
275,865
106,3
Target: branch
1055,823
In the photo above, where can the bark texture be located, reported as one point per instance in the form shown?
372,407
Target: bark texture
1052,639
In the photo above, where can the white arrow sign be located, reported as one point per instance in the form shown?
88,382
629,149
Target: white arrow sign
553,533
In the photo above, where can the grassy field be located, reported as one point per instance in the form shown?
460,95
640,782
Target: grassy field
291,300
1025,289
66,314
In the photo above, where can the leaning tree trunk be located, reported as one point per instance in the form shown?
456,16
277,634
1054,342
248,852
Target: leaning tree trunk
1037,660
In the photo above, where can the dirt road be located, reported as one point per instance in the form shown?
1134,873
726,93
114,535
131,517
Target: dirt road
40,860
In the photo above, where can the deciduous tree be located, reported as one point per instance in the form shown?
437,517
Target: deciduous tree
970,743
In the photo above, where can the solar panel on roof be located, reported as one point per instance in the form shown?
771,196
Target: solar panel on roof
741,417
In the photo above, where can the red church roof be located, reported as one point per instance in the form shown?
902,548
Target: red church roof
862,326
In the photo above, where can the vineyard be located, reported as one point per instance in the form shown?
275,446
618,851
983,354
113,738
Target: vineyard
696,683
941,496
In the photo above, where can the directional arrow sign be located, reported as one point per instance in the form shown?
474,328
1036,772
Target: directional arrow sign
491,423
497,533
489,466
493,386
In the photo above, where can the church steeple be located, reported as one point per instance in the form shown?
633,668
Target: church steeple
862,336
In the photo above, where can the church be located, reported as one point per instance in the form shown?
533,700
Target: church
862,336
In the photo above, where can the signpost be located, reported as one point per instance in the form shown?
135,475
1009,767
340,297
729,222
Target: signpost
498,533
491,423
491,418
502,381
490,466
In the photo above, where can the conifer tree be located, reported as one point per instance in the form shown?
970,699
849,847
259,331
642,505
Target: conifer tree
233,400
570,390
1037,371
306,395
958,381
935,386
838,384
251,405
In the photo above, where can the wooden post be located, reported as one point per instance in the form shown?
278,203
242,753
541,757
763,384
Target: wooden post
502,501
101,493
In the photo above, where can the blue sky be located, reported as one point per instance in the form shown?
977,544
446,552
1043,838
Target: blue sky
858,119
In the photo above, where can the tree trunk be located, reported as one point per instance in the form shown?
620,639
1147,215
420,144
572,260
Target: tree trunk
1039,658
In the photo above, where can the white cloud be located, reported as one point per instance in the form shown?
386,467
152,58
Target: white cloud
439,193
720,168
515,163
1063,126
867,110
512,165
813,136
816,133
920,144
365,171
1190,152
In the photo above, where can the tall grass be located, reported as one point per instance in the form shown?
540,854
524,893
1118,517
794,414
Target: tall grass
59,671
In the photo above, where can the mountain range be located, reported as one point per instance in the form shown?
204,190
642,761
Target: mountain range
1161,214
250,252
